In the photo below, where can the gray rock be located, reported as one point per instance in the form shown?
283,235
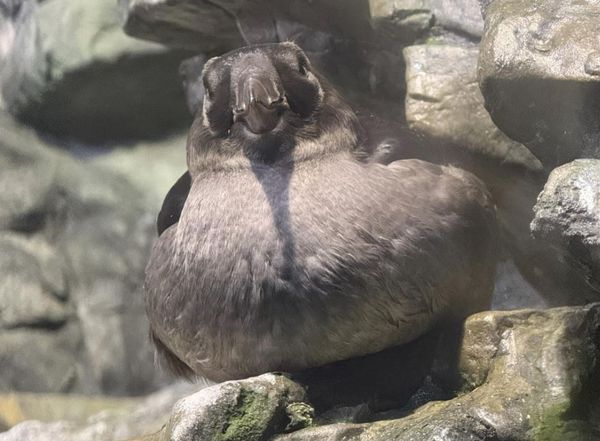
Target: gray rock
228,23
512,291
526,375
176,24
76,239
39,358
537,74
81,77
22,67
33,273
567,215
444,101
76,418
458,16
246,410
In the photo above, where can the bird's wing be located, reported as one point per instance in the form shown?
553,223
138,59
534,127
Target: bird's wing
173,203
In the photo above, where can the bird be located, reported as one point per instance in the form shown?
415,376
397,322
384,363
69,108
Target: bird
284,246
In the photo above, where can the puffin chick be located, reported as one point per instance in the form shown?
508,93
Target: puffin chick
283,248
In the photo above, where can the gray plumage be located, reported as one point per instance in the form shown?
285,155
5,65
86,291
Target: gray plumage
292,250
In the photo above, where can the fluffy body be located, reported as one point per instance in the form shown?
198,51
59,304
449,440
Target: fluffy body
296,257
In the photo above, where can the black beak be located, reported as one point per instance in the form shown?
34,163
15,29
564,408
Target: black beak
260,101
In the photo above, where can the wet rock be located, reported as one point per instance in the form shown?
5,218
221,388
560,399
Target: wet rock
567,215
76,240
526,375
462,17
82,77
536,72
444,101
79,418
246,410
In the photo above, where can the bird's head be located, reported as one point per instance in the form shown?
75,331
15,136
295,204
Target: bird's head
264,100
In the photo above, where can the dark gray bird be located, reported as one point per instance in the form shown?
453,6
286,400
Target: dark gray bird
284,248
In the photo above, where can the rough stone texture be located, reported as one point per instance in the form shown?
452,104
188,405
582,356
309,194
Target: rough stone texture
22,68
526,375
512,291
567,215
76,241
246,410
460,16
443,100
538,74
176,23
78,418
82,78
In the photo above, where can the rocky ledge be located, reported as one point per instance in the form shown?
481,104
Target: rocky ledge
520,375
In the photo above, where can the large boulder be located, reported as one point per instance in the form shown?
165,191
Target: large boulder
74,241
539,71
462,17
443,100
520,375
525,375
69,70
567,215
226,24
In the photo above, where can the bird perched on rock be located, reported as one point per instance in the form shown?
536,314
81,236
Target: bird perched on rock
283,247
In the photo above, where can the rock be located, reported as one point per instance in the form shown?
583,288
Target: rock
76,239
176,23
78,418
152,166
43,358
246,410
459,16
33,273
22,67
526,375
512,291
443,100
567,215
447,106
83,78
536,72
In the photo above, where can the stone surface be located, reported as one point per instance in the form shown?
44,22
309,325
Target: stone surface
78,418
246,410
176,23
76,239
443,100
83,78
537,74
567,215
512,291
22,68
459,16
525,375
